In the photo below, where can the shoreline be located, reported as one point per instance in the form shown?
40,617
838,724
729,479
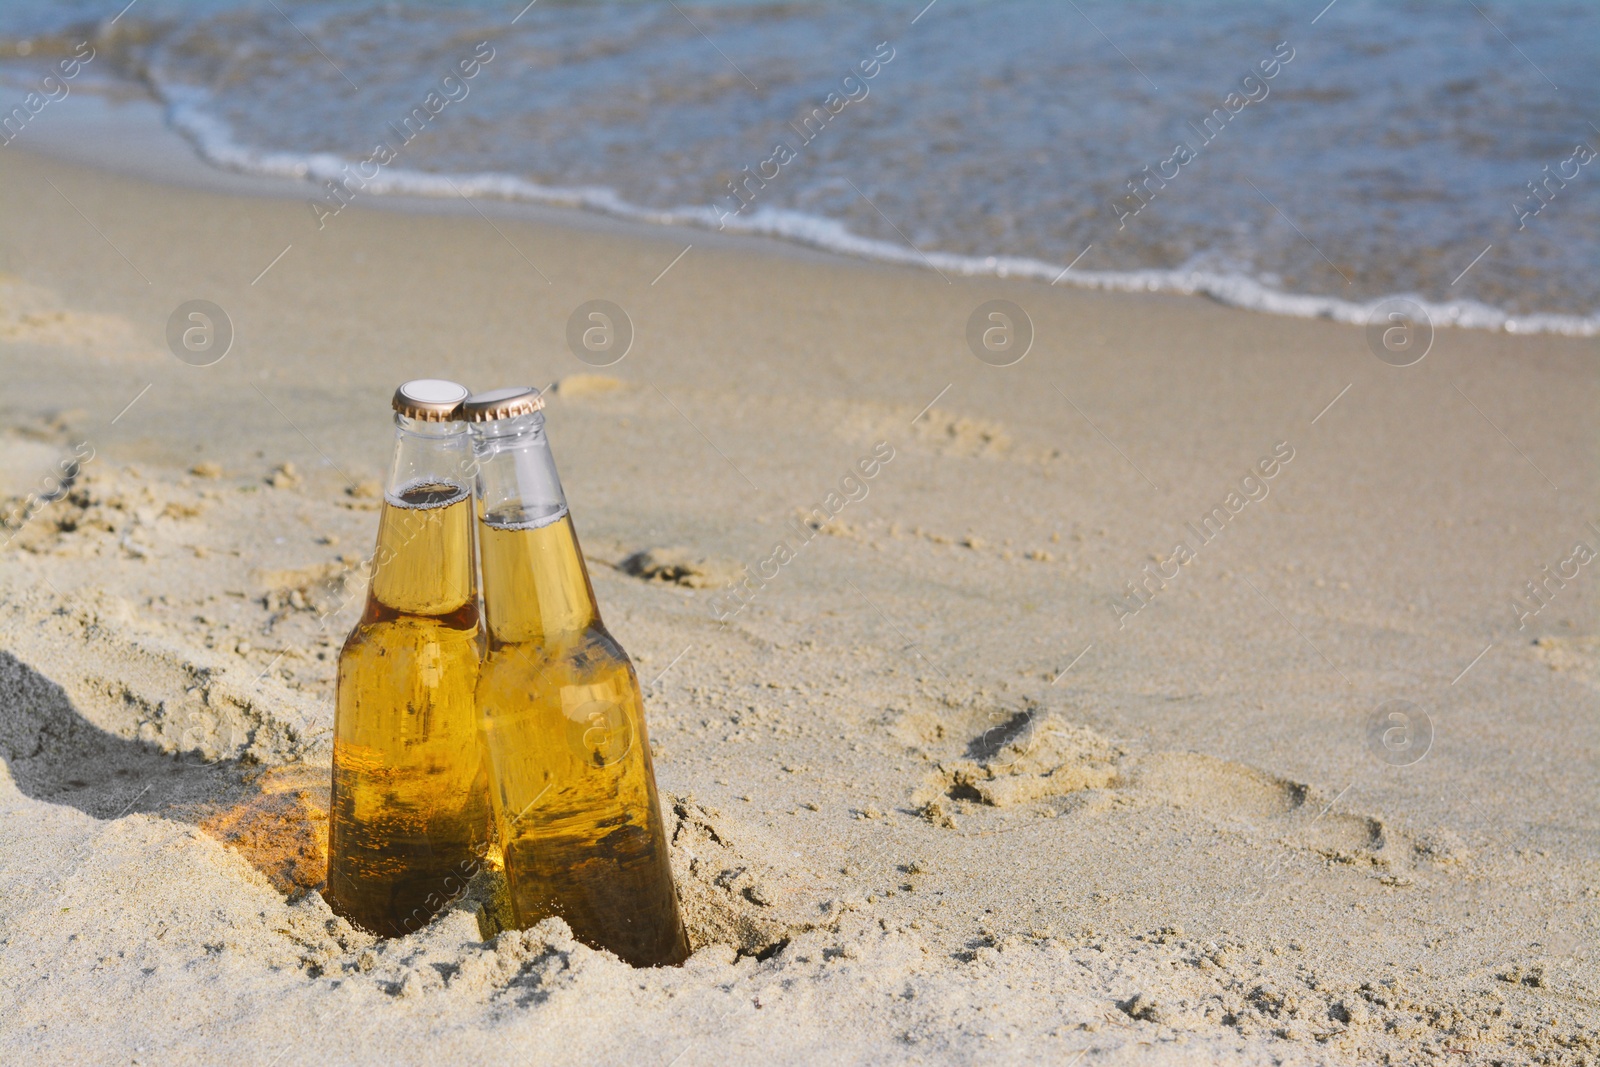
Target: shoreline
158,151
130,136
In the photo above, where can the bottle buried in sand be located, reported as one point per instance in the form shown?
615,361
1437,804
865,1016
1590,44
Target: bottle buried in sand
409,821
573,789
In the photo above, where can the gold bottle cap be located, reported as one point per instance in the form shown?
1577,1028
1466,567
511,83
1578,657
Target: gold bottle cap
502,404
430,400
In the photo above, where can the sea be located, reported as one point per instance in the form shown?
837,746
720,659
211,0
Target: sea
1305,158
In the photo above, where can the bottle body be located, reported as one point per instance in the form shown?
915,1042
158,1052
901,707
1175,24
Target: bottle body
573,788
409,821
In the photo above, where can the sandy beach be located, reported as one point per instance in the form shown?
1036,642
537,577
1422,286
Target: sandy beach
984,773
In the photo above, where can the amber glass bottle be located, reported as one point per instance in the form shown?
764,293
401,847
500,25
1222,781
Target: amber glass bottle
563,720
409,823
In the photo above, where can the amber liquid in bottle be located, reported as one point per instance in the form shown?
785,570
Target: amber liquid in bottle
573,788
409,822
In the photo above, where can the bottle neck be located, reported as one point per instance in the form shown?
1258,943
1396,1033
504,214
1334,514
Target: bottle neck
435,454
423,562
517,481
536,586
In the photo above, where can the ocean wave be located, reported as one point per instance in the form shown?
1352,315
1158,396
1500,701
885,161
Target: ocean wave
214,140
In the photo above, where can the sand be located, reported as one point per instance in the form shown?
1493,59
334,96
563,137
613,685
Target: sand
939,792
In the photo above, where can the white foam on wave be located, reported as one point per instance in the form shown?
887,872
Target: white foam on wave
214,141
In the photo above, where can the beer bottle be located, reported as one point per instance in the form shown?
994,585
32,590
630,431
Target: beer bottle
573,790
409,822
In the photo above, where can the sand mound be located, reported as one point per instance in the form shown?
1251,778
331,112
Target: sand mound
680,566
1033,755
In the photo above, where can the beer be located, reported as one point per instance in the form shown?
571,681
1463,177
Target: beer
409,822
573,790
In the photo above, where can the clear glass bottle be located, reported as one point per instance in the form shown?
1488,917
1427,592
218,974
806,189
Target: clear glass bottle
409,822
573,788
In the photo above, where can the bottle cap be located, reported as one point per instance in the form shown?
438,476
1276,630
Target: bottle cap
430,400
502,404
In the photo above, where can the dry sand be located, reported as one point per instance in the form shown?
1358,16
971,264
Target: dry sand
931,800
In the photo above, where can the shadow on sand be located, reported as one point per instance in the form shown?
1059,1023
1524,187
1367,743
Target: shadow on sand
275,817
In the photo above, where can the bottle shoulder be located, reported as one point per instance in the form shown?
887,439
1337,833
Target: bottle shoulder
382,625
592,647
